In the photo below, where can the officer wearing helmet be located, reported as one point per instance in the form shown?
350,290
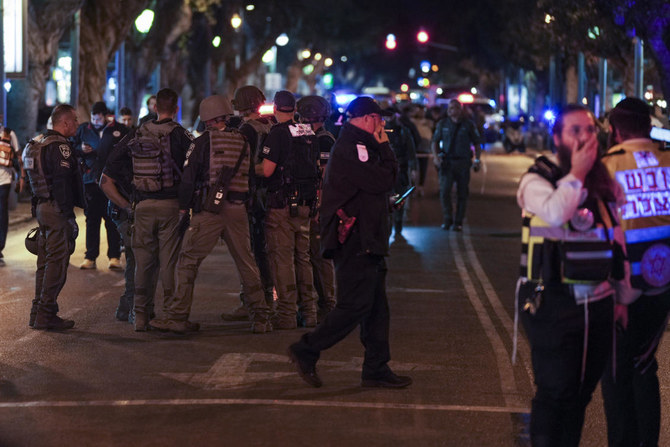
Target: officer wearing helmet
215,183
315,110
255,128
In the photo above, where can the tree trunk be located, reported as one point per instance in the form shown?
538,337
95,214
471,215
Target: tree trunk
658,43
104,26
571,85
47,20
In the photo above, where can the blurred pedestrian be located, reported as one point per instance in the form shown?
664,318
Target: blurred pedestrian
315,110
425,128
402,143
630,385
359,179
93,142
57,188
220,161
291,164
452,155
568,262
126,118
152,113
10,166
158,152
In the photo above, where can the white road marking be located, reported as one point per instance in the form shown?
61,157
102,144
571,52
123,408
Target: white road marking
505,371
230,370
268,402
12,301
404,289
496,304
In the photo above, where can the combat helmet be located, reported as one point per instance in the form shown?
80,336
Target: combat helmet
313,109
248,97
215,106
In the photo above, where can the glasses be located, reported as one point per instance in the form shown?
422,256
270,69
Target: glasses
576,131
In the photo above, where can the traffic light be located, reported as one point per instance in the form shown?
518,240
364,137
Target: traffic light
390,42
422,36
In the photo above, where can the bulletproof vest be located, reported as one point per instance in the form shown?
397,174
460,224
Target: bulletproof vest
262,130
6,151
303,160
32,163
225,147
153,166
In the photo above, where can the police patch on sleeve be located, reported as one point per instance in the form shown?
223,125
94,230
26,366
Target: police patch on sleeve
65,151
362,152
266,150
116,134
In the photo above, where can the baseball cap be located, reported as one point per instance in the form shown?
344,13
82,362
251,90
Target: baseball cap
99,107
364,105
284,101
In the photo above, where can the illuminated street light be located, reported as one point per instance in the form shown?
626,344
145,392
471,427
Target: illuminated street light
439,90
305,54
328,62
216,41
236,21
144,21
473,90
422,36
318,56
269,56
282,40
344,58
548,18
250,7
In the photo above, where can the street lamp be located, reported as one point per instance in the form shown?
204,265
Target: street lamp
328,62
282,40
236,21
422,36
144,21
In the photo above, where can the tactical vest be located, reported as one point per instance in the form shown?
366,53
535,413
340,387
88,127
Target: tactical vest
301,173
578,252
644,175
225,147
32,163
6,151
153,166
262,130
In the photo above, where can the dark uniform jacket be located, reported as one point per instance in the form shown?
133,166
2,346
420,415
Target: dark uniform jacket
465,135
359,178
63,176
102,141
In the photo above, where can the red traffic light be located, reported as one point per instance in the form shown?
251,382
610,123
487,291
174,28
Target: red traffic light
422,36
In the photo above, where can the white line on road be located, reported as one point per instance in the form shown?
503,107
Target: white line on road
505,371
271,402
2,303
404,289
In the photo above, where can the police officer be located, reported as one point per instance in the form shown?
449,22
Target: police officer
453,157
631,391
157,153
359,178
402,143
247,101
220,164
93,142
57,188
568,264
290,162
315,110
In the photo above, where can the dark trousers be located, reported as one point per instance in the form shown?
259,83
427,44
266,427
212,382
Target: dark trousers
259,247
361,300
54,246
124,229
631,392
458,172
401,185
96,211
4,215
556,335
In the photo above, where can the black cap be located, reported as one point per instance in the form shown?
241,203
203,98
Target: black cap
99,107
284,101
364,105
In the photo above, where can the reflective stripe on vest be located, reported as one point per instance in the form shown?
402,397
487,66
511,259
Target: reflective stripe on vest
583,256
32,162
224,150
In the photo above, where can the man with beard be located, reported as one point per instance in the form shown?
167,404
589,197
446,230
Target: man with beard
565,292
631,391
93,143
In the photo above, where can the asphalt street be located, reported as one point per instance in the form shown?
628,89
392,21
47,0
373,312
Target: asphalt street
452,330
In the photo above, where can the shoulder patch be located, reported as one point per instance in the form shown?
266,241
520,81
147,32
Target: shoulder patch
116,134
266,150
65,151
362,152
